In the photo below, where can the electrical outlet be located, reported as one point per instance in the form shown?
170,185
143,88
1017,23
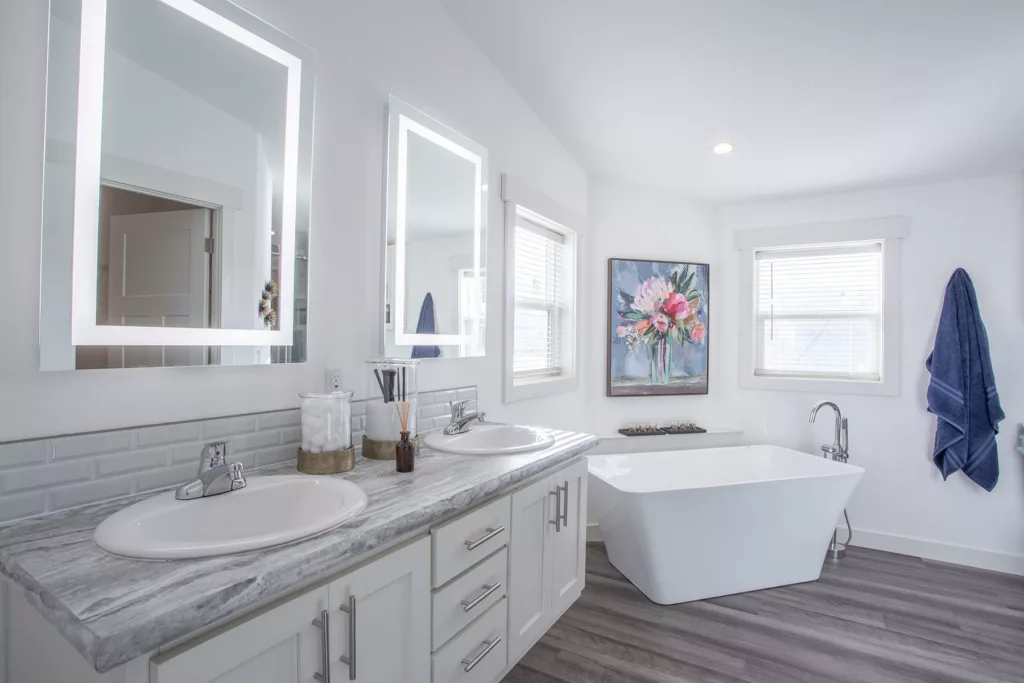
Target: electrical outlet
333,379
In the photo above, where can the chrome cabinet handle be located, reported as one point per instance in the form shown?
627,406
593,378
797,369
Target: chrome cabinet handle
557,493
350,610
324,624
467,605
471,663
491,533
565,504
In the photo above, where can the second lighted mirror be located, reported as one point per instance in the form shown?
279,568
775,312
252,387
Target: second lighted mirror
435,270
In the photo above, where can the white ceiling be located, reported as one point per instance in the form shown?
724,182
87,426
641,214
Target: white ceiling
816,95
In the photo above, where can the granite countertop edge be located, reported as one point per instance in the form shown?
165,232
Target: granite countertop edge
106,646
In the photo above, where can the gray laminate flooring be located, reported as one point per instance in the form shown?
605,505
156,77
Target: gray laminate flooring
873,617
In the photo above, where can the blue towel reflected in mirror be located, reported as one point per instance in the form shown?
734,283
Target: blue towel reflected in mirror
425,325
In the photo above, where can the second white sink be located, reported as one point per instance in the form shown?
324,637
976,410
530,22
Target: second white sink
487,439
269,511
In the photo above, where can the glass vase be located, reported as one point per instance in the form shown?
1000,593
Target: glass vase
661,362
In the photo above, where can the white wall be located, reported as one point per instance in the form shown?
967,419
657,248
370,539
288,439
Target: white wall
974,224
628,222
365,51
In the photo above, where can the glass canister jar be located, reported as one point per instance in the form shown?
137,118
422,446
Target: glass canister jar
326,433
390,383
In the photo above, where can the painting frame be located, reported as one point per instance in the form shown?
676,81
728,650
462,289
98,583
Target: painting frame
619,387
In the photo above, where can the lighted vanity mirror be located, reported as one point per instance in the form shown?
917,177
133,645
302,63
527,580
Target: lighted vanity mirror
435,258
177,177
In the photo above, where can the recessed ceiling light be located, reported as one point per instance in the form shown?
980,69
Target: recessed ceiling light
722,148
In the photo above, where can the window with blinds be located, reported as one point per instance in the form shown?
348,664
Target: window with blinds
818,312
542,328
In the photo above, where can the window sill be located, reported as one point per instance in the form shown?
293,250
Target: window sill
887,387
539,388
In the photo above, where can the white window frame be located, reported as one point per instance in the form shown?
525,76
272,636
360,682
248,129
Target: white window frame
568,223
890,231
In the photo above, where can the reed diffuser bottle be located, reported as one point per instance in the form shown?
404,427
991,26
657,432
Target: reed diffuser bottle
405,451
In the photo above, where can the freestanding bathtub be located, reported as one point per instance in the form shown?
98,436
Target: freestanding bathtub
689,525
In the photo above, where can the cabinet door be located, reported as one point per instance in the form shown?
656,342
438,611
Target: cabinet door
569,543
391,619
529,566
279,645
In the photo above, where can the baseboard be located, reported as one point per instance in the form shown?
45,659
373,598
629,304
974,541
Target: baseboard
594,533
933,550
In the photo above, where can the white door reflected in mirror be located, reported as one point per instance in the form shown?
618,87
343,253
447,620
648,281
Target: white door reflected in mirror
435,239
178,146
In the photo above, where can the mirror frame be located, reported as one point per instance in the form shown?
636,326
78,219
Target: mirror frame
403,119
237,24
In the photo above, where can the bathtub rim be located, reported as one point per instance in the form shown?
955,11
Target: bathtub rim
841,470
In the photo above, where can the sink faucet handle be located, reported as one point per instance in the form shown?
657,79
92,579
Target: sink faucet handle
215,454
458,408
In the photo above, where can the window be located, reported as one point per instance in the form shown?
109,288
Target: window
472,293
540,295
541,305
820,309
819,312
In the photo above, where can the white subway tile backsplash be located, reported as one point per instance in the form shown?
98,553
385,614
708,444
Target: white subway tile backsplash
22,505
166,476
228,426
251,442
45,475
107,465
284,418
444,397
468,393
23,453
269,456
91,444
89,492
167,434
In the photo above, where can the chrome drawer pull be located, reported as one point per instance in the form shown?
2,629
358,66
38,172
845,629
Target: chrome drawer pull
491,533
565,505
350,609
471,663
467,605
557,493
324,624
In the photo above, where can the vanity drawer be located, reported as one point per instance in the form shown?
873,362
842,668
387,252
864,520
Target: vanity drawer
463,542
469,596
482,648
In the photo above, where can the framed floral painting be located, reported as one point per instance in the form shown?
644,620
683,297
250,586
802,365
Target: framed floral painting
657,328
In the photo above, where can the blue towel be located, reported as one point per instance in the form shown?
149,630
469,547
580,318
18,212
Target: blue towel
425,325
962,391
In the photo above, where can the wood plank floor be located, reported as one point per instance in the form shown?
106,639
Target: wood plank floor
874,617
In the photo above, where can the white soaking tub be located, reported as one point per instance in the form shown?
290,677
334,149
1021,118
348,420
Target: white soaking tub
689,525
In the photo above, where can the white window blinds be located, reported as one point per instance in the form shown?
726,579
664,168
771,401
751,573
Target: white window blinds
819,312
541,303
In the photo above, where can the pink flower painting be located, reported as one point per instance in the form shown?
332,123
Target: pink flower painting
660,328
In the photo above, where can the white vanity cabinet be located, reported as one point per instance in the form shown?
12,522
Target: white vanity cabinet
548,554
386,602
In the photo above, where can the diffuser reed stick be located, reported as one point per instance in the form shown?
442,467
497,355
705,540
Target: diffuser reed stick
405,451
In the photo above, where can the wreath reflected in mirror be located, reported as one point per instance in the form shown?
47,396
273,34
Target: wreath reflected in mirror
266,307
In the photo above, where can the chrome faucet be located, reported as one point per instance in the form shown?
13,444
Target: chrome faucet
840,452
840,448
216,474
460,418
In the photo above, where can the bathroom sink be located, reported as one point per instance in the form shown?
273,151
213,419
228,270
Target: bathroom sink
485,439
269,511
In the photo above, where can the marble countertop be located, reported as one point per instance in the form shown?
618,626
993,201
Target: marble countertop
114,609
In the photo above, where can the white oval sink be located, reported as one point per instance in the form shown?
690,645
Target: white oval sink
483,439
269,511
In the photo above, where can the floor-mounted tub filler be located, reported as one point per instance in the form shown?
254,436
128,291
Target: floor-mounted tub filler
689,525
